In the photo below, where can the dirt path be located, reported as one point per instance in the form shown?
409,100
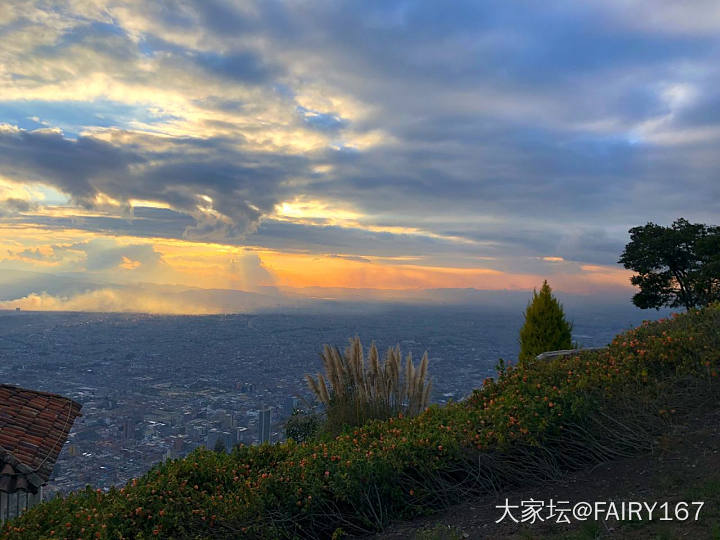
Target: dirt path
685,467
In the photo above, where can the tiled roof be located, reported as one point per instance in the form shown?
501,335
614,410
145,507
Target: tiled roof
33,429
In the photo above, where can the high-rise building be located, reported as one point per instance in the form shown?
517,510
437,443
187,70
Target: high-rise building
214,435
264,424
129,426
292,403
245,387
242,435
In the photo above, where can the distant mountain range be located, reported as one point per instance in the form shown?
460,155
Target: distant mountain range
68,292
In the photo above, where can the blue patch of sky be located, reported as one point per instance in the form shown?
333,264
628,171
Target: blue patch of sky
149,45
51,196
145,48
74,117
321,121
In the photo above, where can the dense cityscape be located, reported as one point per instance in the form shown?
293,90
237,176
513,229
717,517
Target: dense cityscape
157,387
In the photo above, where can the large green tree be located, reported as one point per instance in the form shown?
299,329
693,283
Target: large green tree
676,266
545,328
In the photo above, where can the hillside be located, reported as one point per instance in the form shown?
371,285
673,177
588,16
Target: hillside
683,467
534,422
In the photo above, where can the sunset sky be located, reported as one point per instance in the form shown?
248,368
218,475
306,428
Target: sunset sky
280,145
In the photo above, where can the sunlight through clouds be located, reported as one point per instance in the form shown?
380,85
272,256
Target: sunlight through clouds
256,145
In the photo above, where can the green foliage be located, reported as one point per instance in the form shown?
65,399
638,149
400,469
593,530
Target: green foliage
676,266
219,445
303,425
545,327
338,534
533,420
355,393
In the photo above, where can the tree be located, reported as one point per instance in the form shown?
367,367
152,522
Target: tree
219,445
303,425
545,327
676,266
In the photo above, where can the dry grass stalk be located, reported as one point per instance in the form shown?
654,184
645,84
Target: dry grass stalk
358,393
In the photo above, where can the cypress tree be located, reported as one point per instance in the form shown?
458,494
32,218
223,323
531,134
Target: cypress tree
219,446
545,327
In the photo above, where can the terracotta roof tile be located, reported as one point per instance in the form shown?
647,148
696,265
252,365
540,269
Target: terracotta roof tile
33,429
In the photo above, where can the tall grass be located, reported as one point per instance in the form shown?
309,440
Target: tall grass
354,392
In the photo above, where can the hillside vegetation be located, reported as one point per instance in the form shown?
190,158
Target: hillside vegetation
533,421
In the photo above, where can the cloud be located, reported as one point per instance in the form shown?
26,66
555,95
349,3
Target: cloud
243,66
224,189
97,257
248,273
107,300
696,17
122,262
12,206
353,258
105,254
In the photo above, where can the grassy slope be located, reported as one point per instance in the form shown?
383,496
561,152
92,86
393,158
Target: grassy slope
684,466
533,422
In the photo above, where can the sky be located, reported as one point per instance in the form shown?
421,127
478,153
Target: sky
277,147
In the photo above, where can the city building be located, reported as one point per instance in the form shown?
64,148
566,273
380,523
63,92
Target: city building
292,403
226,437
264,424
242,435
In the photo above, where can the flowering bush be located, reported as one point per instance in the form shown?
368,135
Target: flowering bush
533,420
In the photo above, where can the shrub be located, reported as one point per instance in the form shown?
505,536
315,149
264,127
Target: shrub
358,393
545,327
535,419
219,445
303,425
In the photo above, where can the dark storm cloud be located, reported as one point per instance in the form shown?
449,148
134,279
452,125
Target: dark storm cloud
489,175
69,165
242,67
173,225
537,154
332,239
508,44
560,124
224,17
12,206
242,186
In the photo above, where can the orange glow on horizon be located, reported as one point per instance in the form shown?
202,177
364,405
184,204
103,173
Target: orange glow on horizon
222,266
